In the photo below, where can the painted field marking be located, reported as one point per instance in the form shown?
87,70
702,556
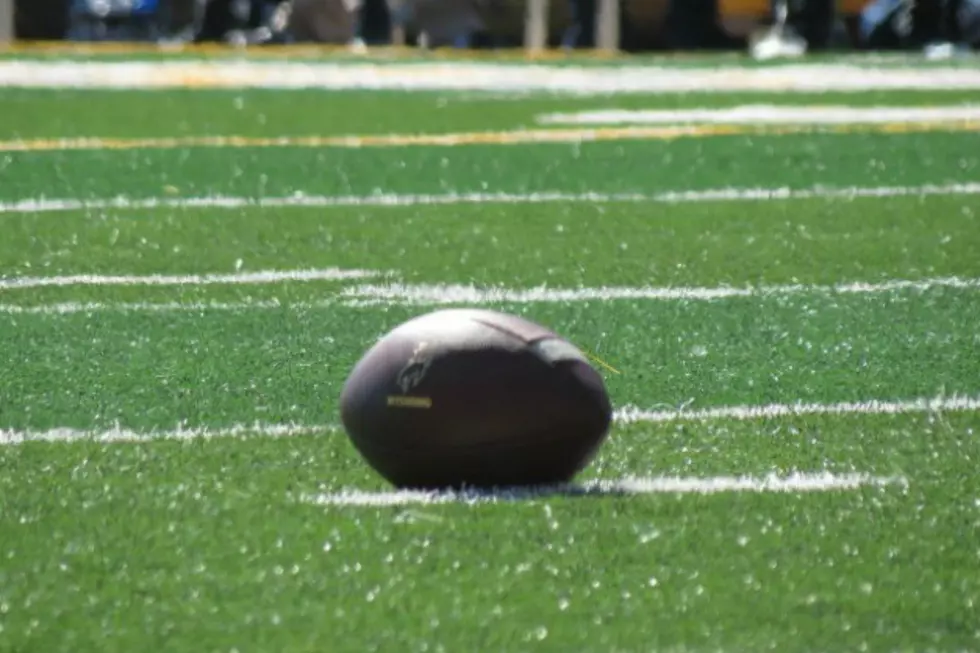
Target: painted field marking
446,295
632,414
516,137
860,75
240,278
766,114
45,205
71,308
437,294
118,434
623,415
793,483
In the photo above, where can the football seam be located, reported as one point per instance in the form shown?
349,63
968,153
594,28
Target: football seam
505,330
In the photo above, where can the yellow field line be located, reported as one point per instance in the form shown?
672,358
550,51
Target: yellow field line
476,138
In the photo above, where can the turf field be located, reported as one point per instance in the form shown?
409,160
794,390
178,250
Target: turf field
791,307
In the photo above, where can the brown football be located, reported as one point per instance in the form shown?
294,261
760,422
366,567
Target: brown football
472,398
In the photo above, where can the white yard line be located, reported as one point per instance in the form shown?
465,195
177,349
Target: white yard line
45,205
633,414
483,76
766,115
70,308
239,278
623,415
446,295
118,434
799,482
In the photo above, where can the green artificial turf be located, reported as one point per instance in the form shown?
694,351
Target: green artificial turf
561,244
28,114
796,161
212,543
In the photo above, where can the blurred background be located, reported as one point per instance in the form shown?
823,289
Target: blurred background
788,26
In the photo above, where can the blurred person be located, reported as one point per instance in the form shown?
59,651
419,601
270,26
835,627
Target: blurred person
455,23
581,29
686,25
963,22
439,23
241,21
902,24
40,20
325,21
695,25
812,20
113,20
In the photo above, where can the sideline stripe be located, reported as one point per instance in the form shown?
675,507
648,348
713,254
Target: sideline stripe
624,415
766,114
435,295
370,295
421,75
799,482
44,205
519,137
260,277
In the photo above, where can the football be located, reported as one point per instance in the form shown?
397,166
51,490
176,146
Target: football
466,398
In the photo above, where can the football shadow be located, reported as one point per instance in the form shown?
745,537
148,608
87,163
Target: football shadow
508,494
472,495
